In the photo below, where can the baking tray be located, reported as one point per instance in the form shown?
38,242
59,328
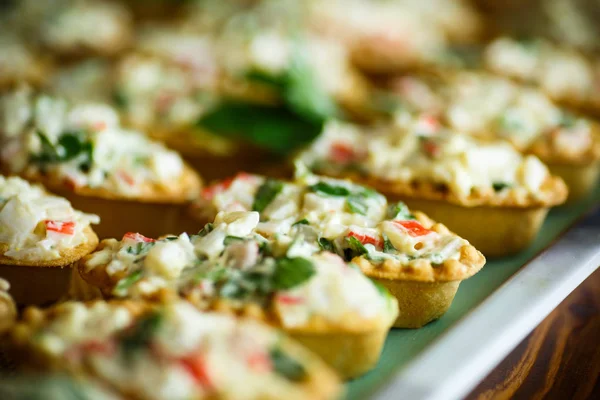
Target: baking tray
492,312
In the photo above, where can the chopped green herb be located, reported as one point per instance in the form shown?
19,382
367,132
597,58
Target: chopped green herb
208,228
388,247
356,246
232,239
140,335
291,272
139,248
326,245
330,190
399,211
303,221
70,145
266,194
499,186
124,284
286,366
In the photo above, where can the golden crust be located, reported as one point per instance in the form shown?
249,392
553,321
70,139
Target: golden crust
186,188
581,179
553,192
552,153
495,231
468,264
68,256
420,302
8,308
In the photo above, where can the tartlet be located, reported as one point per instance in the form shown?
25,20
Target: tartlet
486,192
226,111
419,261
385,37
41,237
543,64
8,308
317,299
63,26
168,351
493,107
83,153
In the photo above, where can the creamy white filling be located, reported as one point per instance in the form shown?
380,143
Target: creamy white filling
36,225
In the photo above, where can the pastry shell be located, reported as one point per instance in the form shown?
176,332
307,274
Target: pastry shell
321,382
351,348
424,291
497,225
41,282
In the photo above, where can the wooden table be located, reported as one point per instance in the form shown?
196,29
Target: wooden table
560,359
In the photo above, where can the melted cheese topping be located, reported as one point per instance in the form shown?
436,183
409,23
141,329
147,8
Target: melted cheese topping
174,352
494,107
36,225
417,150
85,145
547,66
232,260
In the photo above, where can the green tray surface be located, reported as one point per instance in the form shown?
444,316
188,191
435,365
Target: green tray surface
403,345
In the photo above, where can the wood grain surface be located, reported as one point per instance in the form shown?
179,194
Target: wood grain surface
560,359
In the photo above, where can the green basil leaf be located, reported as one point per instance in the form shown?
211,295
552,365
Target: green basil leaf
274,128
266,194
286,366
124,284
303,92
326,245
303,221
330,190
291,272
275,82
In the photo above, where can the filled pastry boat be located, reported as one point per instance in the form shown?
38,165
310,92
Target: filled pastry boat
229,111
62,27
487,192
565,74
174,351
41,236
318,299
385,37
492,107
419,261
83,153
